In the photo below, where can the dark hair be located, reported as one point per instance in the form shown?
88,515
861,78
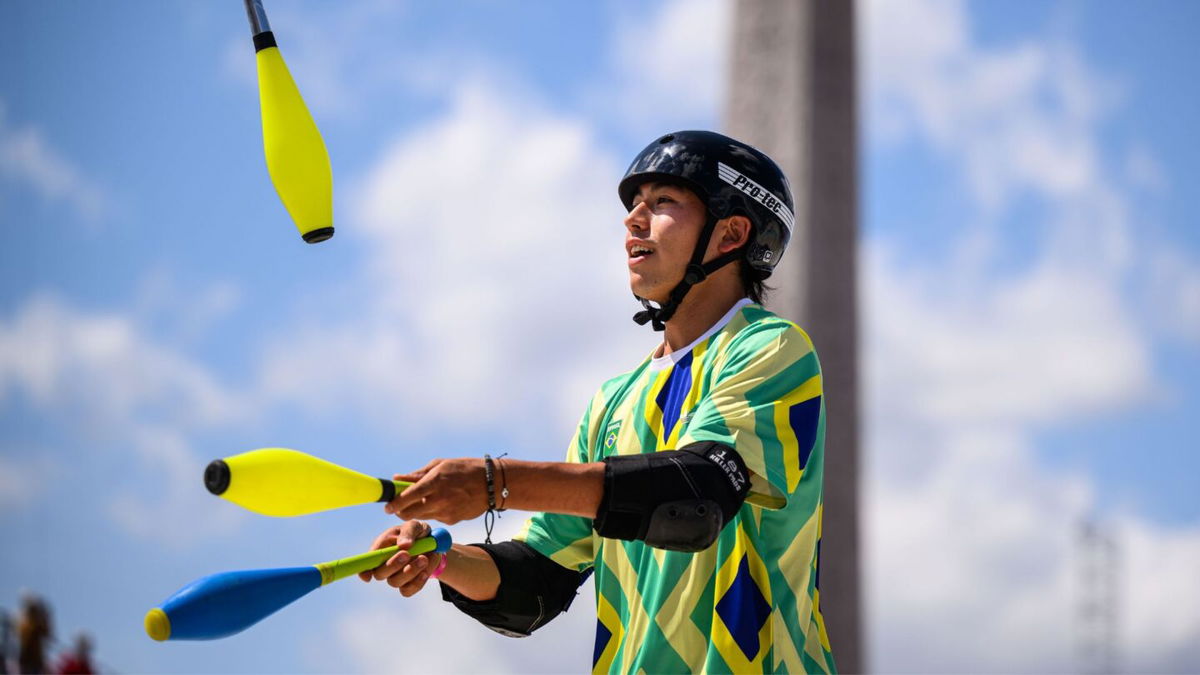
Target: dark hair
753,283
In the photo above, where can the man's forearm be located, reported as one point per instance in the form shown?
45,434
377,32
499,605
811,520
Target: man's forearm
451,490
472,572
554,487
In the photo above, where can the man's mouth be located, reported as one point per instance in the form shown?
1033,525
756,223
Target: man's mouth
637,251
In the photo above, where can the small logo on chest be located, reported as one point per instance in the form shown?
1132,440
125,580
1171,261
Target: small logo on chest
610,435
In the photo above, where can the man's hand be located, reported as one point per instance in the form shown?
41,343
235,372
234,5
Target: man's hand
406,573
448,490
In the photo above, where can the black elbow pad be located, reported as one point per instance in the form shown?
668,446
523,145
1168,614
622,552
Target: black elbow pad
675,499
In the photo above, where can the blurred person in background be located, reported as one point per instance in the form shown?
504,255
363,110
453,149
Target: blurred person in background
35,630
7,633
77,661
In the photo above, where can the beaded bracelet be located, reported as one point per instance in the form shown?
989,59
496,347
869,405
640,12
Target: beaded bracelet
489,474
489,518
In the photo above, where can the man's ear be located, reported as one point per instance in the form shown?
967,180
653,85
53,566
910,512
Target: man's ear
734,233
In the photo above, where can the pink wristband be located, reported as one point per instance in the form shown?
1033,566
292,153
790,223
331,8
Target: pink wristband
441,567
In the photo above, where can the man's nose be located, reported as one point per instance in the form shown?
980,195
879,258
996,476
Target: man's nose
638,217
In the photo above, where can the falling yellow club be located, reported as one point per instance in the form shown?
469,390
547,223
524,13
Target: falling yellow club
296,156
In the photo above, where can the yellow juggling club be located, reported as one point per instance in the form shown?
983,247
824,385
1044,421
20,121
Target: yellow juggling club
283,482
296,155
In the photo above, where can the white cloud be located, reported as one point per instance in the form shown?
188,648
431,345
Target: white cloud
668,65
495,264
1048,345
1173,293
168,505
970,557
1143,170
104,375
23,473
440,639
1017,118
26,157
338,73
976,545
160,295
662,52
1158,619
450,641
967,533
102,367
368,636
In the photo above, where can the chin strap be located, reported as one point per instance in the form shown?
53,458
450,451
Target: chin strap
697,271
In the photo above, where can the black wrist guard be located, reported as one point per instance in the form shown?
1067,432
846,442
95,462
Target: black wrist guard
533,589
674,499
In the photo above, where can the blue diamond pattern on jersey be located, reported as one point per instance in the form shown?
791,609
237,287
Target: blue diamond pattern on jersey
804,418
670,399
744,610
603,635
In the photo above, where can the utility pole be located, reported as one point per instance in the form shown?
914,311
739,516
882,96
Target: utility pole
1098,559
792,93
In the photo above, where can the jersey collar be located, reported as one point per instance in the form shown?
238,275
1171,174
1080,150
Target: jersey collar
666,360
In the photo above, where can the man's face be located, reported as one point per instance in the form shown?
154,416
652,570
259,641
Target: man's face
662,229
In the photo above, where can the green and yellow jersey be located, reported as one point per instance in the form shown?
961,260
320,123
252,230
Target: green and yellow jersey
750,602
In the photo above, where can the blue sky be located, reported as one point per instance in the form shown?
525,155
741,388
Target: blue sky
1030,276
1137,55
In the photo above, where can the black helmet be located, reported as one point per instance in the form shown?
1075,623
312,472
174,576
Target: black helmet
731,178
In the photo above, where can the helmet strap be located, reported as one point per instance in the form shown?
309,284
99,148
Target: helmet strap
697,271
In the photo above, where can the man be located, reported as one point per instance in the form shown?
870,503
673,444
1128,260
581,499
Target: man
692,488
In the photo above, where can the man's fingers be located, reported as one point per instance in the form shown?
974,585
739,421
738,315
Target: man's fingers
385,538
434,507
431,508
421,501
402,536
414,476
403,502
412,531
405,575
392,566
411,588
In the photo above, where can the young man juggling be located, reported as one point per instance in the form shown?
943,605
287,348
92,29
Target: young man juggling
693,486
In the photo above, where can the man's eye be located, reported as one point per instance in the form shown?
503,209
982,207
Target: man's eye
664,200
